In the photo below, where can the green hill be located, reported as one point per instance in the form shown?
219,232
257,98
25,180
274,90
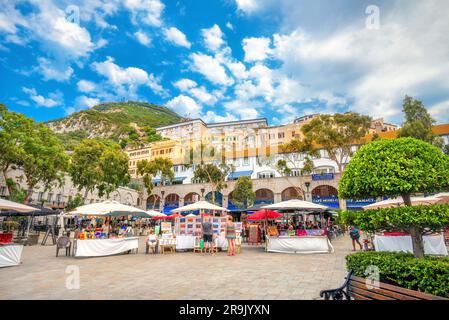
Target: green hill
128,123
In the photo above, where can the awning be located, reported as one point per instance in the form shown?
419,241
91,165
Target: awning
238,174
176,179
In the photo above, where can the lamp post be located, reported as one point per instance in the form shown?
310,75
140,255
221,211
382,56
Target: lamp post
202,193
307,184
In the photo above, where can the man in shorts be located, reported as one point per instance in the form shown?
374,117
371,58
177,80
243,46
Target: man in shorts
207,235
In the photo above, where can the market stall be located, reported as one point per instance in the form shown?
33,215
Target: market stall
433,244
94,243
302,239
105,247
11,253
189,227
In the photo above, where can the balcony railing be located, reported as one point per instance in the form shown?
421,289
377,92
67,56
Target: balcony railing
322,176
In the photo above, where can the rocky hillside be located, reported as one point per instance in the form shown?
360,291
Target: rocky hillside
124,122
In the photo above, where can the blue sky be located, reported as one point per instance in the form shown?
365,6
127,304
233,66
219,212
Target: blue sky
225,59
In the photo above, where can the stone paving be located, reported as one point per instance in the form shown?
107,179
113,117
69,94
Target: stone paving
254,274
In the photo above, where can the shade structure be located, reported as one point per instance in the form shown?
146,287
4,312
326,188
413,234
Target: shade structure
108,209
10,205
398,202
199,205
295,204
191,215
174,215
443,196
264,214
38,211
153,213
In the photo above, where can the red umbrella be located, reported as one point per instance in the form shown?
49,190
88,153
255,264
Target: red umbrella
264,214
173,216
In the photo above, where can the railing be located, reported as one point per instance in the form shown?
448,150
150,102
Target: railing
323,176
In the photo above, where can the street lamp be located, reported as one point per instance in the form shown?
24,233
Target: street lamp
307,184
202,192
162,199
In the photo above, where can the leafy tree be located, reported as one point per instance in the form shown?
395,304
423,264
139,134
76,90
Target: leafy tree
418,122
213,174
336,134
14,129
398,167
98,164
162,167
75,202
243,195
44,160
114,170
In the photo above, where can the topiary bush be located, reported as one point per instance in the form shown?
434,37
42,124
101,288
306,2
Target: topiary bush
430,275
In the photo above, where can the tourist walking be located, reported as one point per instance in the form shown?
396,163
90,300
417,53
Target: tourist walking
207,236
230,235
354,233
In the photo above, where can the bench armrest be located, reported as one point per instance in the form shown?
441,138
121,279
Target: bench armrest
341,293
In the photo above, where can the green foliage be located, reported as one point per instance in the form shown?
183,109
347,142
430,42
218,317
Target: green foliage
337,133
418,122
395,167
427,217
74,202
213,174
99,164
243,195
430,275
149,169
112,121
282,167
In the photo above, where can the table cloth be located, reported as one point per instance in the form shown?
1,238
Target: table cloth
10,255
105,247
433,244
302,244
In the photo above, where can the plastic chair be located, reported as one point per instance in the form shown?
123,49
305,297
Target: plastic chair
238,244
63,243
197,246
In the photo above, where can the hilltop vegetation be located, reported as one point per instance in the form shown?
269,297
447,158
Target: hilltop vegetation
128,123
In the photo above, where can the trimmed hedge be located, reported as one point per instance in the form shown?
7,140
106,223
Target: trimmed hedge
430,275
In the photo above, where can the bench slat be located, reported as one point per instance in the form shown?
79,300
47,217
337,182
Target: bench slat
384,292
368,293
412,294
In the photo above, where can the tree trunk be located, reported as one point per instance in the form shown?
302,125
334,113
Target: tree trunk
8,186
28,196
415,233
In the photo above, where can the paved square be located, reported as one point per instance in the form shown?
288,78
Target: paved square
254,274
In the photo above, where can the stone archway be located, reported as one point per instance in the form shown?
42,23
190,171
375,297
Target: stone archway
171,202
291,193
264,196
191,197
153,202
325,195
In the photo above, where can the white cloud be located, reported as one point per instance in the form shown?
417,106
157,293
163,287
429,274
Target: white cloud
229,25
54,99
184,106
146,11
256,49
213,38
52,70
210,68
247,6
86,86
84,101
142,37
212,117
201,94
440,111
126,81
185,84
176,37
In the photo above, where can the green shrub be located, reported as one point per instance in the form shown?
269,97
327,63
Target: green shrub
430,275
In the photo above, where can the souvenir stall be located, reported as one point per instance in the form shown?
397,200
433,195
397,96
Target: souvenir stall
303,239
188,228
11,253
434,244
99,241
398,241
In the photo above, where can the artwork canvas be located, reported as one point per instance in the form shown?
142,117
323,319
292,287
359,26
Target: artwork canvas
182,220
190,226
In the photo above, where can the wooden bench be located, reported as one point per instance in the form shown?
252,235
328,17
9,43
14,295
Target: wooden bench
355,288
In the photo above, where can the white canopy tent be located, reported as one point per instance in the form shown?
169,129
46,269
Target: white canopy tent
108,208
10,205
200,205
153,213
295,204
397,202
